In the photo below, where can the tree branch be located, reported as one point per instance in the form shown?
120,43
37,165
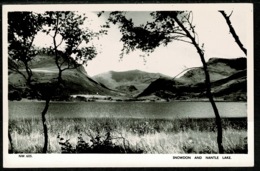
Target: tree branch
183,40
180,33
208,84
230,14
60,42
18,71
233,32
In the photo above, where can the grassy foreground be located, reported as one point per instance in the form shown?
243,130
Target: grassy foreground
124,135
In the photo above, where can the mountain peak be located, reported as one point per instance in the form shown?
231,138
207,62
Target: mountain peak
121,80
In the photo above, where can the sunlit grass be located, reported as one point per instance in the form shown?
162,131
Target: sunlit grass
148,135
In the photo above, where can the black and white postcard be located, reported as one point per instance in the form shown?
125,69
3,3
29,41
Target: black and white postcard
128,85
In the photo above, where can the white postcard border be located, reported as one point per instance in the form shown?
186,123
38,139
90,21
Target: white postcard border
129,160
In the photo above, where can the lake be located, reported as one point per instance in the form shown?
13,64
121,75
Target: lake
165,110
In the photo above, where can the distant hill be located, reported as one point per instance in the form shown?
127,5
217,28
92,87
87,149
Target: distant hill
228,78
130,82
219,68
44,71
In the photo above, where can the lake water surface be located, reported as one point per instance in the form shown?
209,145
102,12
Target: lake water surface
168,110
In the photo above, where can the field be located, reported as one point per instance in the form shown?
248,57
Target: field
127,135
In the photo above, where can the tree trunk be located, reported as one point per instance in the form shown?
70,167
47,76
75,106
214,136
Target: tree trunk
45,129
29,74
218,120
11,142
213,104
208,85
211,99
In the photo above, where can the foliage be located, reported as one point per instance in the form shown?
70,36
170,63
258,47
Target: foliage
165,27
71,46
22,29
96,145
69,26
14,95
146,37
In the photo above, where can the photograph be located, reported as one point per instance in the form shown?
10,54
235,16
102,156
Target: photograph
128,85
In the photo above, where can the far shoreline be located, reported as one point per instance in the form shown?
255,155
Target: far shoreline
124,100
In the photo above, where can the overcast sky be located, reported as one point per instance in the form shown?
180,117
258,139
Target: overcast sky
211,28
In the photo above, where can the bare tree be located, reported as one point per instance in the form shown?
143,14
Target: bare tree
233,32
166,27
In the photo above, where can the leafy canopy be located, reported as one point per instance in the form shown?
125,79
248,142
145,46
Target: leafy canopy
146,37
75,37
22,28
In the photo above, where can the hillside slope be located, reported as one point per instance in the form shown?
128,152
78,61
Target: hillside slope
76,81
219,68
228,78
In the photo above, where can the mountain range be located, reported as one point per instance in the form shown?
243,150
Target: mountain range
228,81
228,78
131,82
